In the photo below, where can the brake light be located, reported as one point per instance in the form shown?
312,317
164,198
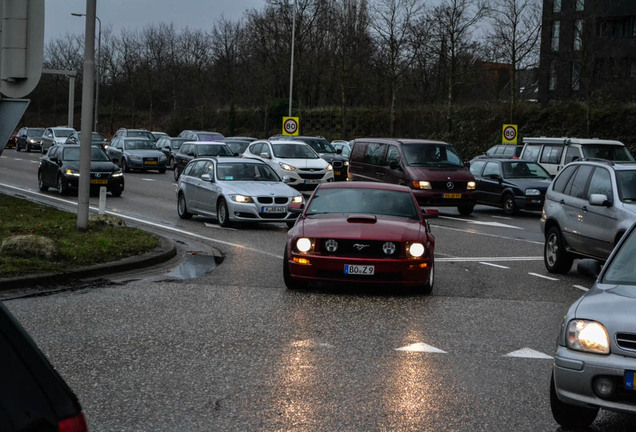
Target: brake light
73,424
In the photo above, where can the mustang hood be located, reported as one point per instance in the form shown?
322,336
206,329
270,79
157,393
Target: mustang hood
367,227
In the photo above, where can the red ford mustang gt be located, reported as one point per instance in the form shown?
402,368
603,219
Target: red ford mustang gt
362,232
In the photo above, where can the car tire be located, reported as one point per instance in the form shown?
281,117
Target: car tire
17,147
162,170
555,257
41,184
176,173
182,208
222,213
428,286
508,204
289,282
466,209
570,416
117,192
61,186
124,165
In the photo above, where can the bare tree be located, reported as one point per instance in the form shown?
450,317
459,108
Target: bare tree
515,28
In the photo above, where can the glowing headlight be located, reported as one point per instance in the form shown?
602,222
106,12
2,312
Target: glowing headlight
286,167
329,167
72,172
421,184
331,245
388,248
32,141
304,244
532,192
471,185
117,174
588,336
297,199
415,249
346,163
241,198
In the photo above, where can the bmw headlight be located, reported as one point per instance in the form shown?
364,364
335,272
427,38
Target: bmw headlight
304,244
287,167
415,250
471,185
533,192
297,199
421,184
241,199
71,172
587,336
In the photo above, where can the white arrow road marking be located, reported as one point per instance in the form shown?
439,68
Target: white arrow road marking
310,343
421,347
493,224
528,353
544,277
494,265
582,288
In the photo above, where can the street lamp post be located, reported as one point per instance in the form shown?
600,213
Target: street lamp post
291,66
97,68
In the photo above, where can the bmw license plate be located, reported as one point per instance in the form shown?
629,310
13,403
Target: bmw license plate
273,209
452,195
629,380
366,270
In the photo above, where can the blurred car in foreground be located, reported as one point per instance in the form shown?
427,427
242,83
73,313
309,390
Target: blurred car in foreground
54,136
363,232
29,138
136,154
192,150
60,169
34,396
510,184
595,361
235,190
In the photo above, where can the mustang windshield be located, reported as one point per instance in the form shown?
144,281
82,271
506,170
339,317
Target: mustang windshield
294,151
432,154
364,201
237,171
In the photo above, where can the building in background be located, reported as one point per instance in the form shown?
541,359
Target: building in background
588,50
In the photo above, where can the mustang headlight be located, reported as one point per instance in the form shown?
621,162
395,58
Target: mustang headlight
72,172
588,336
415,250
297,199
304,244
241,199
421,184
471,185
533,192
287,167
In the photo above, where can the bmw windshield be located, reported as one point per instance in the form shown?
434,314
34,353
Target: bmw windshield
238,171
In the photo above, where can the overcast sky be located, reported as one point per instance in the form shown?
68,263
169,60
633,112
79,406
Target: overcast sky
129,14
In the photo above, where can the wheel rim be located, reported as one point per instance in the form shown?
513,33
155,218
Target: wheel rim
551,249
508,205
40,181
222,212
182,205
59,184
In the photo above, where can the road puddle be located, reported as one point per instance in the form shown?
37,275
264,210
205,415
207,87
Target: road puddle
193,266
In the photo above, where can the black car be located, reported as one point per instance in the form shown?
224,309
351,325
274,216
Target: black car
170,146
511,184
34,396
191,150
136,154
60,169
29,138
503,151
326,151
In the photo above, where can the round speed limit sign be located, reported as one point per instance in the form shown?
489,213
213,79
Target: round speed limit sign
509,134
290,125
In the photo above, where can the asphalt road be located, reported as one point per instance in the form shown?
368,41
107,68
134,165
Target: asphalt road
233,350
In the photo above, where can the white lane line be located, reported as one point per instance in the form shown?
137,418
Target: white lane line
582,288
544,277
494,265
501,217
469,231
496,259
148,179
528,353
209,225
421,347
493,224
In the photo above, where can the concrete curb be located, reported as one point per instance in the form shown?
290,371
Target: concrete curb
165,251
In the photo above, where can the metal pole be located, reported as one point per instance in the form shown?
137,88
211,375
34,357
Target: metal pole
97,67
291,67
88,89
71,99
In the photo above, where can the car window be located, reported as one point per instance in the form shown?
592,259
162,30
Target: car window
572,154
600,183
577,184
256,149
365,201
357,151
199,168
392,155
626,185
476,167
374,153
320,145
509,150
531,152
188,169
551,154
562,179
185,149
431,155
140,145
609,152
492,168
53,152
212,150
621,269
34,132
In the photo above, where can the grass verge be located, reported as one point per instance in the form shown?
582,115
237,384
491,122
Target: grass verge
98,244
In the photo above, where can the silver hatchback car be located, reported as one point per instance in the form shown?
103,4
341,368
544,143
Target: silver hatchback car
595,362
587,208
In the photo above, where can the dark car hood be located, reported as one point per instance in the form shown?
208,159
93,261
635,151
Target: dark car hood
525,183
456,174
96,166
330,157
145,153
352,226
614,307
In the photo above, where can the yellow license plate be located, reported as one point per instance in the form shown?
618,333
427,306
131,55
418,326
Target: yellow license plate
151,162
451,195
99,181
336,173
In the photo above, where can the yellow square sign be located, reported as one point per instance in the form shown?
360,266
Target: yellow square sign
509,134
290,126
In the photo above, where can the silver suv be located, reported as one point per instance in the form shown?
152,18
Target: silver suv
588,207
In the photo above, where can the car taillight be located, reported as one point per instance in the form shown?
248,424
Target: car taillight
73,424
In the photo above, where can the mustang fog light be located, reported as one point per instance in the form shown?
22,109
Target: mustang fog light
416,250
303,244
604,387
588,336
331,245
388,248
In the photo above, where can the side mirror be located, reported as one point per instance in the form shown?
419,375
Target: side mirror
287,179
394,165
429,213
265,155
206,177
494,176
599,200
589,267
